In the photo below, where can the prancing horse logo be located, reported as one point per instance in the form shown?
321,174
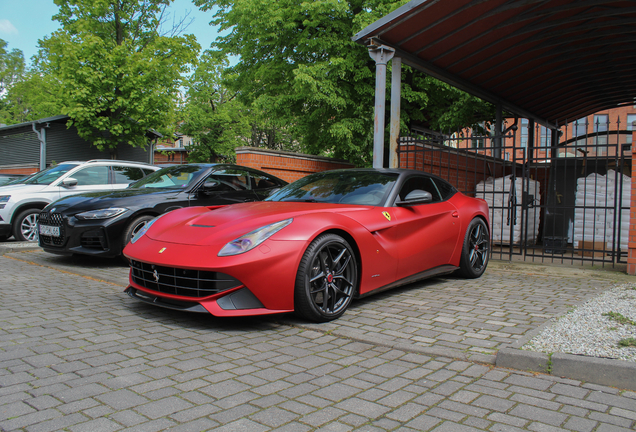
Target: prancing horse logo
156,275
387,215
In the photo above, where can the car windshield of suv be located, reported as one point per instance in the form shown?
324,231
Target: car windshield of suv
344,187
173,177
49,175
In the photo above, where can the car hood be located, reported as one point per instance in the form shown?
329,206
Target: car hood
206,226
101,200
21,189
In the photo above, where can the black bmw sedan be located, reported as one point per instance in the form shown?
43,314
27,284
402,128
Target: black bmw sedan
102,223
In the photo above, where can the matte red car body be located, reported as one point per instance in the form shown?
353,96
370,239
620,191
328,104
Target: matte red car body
394,245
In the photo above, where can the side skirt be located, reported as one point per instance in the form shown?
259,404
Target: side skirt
437,271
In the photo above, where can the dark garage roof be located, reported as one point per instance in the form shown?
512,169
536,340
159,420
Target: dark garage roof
553,61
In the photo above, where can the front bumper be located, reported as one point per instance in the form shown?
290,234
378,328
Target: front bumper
262,280
101,238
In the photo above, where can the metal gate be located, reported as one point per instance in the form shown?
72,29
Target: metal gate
560,200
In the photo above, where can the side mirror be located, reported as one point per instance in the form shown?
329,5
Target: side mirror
69,182
415,197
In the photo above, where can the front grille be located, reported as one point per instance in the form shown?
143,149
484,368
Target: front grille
52,219
178,281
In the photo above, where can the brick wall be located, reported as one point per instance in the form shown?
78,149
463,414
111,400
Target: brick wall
286,165
462,170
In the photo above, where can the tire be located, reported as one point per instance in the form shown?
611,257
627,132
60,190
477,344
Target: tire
25,226
133,228
476,250
327,279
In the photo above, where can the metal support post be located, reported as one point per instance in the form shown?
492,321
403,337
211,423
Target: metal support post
381,55
396,95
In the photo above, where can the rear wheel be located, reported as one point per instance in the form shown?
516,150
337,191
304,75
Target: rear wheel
475,250
326,280
25,226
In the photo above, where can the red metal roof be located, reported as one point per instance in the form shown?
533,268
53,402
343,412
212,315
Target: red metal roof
553,61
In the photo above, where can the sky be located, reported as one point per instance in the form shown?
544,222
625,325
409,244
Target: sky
24,22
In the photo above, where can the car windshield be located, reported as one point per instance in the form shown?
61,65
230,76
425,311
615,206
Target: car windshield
49,175
172,177
344,187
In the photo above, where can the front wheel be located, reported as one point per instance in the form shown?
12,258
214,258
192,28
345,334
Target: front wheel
475,250
25,226
326,280
134,227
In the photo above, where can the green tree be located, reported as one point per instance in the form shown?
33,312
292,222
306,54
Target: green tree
297,60
212,115
36,95
11,66
120,76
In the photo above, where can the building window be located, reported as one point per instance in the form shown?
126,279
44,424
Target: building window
631,118
523,142
579,127
546,135
601,126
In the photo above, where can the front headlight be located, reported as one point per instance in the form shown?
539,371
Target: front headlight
5,198
100,214
250,240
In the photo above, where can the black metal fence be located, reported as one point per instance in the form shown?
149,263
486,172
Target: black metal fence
559,196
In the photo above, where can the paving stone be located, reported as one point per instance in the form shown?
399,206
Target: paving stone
110,357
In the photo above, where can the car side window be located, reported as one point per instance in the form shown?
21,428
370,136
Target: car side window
260,181
127,175
446,189
421,183
91,176
228,179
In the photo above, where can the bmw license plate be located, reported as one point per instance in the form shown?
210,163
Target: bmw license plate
52,231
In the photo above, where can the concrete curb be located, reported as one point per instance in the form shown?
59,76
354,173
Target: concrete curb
9,247
607,372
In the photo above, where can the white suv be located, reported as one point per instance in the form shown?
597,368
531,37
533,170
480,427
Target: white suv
21,203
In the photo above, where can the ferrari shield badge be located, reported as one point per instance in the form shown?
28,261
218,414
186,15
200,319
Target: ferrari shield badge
387,215
161,250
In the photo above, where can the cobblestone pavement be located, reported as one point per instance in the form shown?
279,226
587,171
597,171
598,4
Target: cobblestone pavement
77,354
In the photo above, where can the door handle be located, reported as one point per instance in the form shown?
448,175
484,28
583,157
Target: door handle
455,214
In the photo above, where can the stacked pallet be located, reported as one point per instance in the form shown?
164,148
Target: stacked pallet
505,198
598,217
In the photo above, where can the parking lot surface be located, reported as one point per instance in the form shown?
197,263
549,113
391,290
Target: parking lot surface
77,354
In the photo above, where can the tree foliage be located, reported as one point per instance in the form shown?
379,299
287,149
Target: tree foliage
119,75
11,66
25,93
212,115
297,60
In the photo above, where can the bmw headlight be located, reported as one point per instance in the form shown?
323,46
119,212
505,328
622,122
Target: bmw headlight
143,230
5,198
100,214
250,240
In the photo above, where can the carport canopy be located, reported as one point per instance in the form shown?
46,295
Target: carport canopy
550,61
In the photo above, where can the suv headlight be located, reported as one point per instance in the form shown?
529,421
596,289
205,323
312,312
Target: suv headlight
252,239
100,214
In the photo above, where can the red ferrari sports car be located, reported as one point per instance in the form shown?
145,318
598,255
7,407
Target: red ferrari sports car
311,247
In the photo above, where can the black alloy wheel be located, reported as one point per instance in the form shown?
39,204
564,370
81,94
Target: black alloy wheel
327,279
476,250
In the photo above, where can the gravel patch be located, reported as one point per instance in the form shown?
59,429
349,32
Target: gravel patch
586,331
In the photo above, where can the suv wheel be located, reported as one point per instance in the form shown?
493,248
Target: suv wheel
25,227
